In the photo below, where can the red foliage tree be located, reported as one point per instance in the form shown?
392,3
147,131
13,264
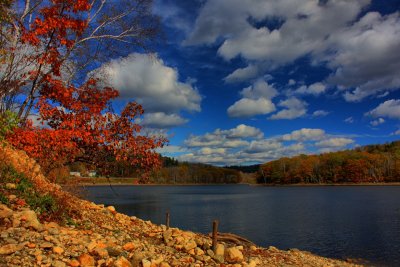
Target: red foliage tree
81,122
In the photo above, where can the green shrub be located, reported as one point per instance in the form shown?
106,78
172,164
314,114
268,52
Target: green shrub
8,122
42,204
3,199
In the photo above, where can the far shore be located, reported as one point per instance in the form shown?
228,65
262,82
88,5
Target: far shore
134,182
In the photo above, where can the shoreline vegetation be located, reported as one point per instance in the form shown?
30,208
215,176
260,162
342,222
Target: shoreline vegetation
56,228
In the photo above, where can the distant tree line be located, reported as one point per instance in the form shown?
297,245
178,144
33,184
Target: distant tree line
245,169
367,164
172,171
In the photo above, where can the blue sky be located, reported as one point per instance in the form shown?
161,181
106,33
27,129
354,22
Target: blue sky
248,81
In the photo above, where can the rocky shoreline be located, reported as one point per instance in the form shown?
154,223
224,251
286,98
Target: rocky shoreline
100,236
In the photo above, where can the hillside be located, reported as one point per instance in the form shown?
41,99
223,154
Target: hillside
367,164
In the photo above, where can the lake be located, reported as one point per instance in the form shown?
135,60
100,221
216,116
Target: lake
333,221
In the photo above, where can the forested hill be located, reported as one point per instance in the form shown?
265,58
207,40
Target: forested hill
367,164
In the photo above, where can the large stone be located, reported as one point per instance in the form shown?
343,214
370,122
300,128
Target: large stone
191,244
58,250
129,246
122,262
58,264
5,212
28,218
10,249
234,255
86,260
146,263
220,250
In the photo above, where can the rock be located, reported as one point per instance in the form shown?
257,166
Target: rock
101,252
11,186
191,244
111,208
167,235
58,250
113,251
86,260
5,212
58,264
199,251
234,255
10,249
128,246
122,262
74,263
146,263
220,250
46,245
29,218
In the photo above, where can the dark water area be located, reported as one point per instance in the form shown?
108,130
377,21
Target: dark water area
333,221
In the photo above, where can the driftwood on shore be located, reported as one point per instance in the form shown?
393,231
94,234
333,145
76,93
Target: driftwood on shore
234,239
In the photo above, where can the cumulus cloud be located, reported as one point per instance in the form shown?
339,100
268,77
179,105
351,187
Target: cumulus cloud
256,100
162,120
360,51
377,122
304,134
147,80
367,59
313,89
242,74
151,83
242,131
294,108
225,138
320,113
252,147
338,142
389,109
247,107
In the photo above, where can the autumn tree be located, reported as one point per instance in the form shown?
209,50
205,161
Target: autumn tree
110,30
81,124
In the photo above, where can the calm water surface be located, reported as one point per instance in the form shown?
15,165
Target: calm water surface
340,222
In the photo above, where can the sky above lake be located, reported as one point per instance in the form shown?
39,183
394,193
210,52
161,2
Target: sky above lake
239,82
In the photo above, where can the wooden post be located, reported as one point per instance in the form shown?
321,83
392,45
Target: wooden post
167,219
215,235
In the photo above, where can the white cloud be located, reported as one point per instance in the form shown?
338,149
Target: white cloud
377,122
349,120
294,108
367,59
212,151
304,134
259,89
242,74
252,148
246,107
397,132
389,109
230,138
243,131
320,113
338,142
150,82
361,51
313,89
162,120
